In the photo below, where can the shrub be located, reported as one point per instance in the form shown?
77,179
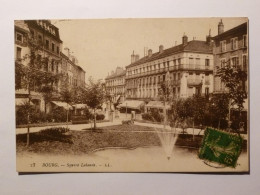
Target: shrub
100,116
147,116
153,116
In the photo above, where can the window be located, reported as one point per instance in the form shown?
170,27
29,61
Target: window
234,43
206,91
159,65
179,61
168,64
179,76
40,38
191,61
174,62
18,53
223,46
222,63
52,46
164,66
244,41
19,37
47,44
197,61
52,65
207,62
244,65
235,62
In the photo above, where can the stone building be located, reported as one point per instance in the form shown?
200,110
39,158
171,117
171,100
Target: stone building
45,37
230,47
115,85
190,67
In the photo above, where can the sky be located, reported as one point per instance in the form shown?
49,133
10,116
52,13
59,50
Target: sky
101,45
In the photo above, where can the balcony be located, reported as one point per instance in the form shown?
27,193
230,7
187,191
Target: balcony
194,82
172,68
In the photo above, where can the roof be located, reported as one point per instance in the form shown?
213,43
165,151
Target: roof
67,58
194,46
34,24
239,28
20,24
116,74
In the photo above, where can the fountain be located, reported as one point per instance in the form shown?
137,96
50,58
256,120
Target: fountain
168,139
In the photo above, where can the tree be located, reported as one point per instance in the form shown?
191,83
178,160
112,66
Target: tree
94,96
234,79
31,76
184,109
218,107
66,96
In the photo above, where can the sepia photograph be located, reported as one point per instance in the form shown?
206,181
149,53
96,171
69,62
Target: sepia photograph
132,95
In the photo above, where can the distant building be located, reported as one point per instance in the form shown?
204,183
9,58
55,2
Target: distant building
190,67
74,73
115,85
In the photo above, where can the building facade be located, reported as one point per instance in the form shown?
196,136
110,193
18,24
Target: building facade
230,48
74,73
190,67
40,39
115,85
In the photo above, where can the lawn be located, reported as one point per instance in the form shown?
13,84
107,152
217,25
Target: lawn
83,142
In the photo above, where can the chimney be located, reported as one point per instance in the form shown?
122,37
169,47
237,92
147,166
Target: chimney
184,39
136,57
150,52
220,27
161,48
208,38
133,57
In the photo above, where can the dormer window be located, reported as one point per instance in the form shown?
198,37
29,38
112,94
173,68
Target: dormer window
19,37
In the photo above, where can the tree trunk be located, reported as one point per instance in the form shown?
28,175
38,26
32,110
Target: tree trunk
45,107
193,131
28,128
28,117
218,123
95,126
67,115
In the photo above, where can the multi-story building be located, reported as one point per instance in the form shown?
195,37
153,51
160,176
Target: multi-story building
75,74
230,47
190,67
115,85
41,40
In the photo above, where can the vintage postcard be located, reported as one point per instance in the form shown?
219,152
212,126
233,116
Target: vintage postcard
132,95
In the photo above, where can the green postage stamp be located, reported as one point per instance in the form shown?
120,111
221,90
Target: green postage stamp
221,147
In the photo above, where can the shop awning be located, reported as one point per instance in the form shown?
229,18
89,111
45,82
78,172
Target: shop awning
22,101
157,104
80,106
134,104
63,105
